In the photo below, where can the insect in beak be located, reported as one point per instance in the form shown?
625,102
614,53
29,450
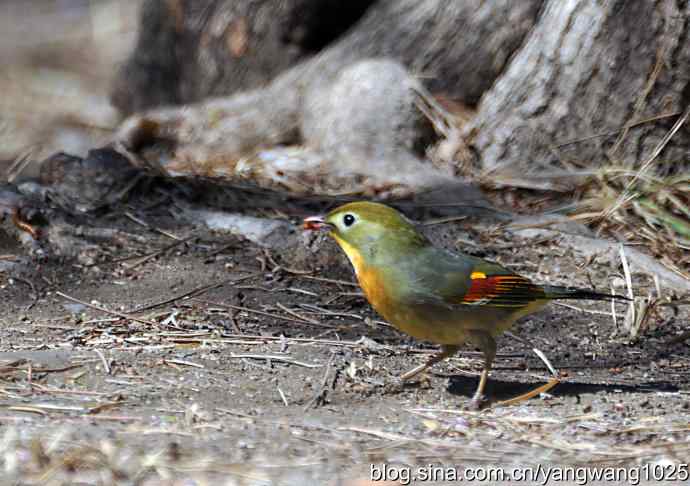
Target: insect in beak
19,222
316,223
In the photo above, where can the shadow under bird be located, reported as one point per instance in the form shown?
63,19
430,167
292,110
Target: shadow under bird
431,293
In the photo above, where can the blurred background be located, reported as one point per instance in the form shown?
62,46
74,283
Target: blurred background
58,60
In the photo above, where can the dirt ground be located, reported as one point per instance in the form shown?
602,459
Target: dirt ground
224,367
226,362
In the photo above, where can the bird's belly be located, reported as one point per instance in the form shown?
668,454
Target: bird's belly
433,330
408,319
452,326
436,323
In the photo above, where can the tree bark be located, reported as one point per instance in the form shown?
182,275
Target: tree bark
355,118
577,91
188,51
588,68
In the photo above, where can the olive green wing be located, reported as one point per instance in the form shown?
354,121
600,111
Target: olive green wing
456,279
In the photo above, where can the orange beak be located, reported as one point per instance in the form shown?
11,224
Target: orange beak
316,223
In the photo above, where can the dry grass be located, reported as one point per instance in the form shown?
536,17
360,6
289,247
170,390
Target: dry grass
647,205
448,437
644,208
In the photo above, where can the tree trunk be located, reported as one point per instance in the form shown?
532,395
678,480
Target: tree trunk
588,68
356,119
188,51
576,93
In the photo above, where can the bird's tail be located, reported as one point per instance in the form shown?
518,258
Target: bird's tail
558,292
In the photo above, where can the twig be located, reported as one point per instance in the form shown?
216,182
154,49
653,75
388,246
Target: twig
282,396
298,291
536,351
249,340
330,280
449,219
106,366
587,311
196,291
222,249
107,311
266,314
273,357
6,369
115,418
61,391
20,163
660,146
149,227
183,363
625,196
378,433
20,408
34,294
657,286
613,310
143,259
639,103
679,338
321,393
295,314
530,394
628,284
326,312
278,267
615,132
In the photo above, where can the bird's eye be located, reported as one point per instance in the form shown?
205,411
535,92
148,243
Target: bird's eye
348,220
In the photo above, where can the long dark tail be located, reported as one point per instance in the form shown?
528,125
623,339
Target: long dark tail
557,292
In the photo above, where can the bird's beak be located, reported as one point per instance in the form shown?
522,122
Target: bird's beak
316,223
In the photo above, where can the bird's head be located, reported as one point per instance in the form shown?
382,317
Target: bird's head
369,230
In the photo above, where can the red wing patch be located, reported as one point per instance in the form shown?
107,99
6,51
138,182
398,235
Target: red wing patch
501,291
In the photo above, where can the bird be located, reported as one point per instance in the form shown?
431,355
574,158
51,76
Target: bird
431,293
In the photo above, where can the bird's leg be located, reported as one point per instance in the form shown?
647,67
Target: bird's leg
446,351
487,344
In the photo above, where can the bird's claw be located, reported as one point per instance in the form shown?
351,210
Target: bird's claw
394,386
477,403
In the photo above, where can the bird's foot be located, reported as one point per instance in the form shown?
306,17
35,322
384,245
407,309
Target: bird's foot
398,384
477,403
394,385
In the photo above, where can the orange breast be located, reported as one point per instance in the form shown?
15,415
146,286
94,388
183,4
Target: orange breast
404,317
370,280
374,288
